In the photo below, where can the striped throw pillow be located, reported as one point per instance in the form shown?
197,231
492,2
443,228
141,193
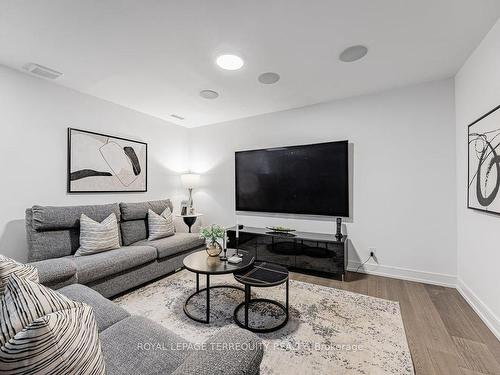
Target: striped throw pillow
9,267
160,226
97,237
44,332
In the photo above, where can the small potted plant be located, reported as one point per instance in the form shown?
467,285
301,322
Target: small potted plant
211,234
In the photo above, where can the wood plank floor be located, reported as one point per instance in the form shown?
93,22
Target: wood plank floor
444,334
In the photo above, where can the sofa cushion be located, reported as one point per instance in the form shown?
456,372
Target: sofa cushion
97,266
53,271
54,232
133,231
139,210
139,345
134,215
106,312
230,351
67,217
50,244
175,244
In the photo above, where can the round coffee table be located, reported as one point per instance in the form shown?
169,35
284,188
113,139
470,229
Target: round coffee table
262,275
200,263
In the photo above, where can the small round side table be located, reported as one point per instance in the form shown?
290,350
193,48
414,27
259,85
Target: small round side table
262,275
189,220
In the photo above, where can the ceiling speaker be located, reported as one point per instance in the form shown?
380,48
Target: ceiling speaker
209,94
269,78
353,53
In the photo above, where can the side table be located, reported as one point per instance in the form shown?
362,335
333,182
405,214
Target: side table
262,275
189,220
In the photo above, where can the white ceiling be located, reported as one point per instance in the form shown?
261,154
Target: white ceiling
155,56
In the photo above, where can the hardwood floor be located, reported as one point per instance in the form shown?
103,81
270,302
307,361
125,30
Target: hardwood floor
444,334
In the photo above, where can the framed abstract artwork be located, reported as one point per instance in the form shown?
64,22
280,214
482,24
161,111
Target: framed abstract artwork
100,163
484,163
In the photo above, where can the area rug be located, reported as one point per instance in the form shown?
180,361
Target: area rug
330,331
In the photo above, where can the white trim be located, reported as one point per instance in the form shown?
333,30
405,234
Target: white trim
487,316
483,311
405,274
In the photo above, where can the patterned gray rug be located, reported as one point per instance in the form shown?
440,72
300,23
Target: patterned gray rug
330,331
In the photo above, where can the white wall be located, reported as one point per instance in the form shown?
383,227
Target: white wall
403,158
477,91
33,121
404,173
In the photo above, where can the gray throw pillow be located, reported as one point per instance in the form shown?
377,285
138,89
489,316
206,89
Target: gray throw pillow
160,226
98,237
44,332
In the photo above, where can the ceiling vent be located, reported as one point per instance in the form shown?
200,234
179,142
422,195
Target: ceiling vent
42,71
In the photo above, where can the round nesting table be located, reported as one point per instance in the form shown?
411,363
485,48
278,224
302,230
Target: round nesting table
262,275
200,263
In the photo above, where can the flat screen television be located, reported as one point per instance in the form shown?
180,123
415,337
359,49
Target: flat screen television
308,179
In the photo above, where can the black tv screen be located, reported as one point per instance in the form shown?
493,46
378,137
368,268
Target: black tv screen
308,179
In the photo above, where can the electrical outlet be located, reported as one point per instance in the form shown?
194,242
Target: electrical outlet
372,251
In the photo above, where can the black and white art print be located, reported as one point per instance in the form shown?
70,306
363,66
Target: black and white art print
99,163
484,163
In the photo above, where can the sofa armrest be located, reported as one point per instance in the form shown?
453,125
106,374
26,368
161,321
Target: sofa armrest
231,351
56,272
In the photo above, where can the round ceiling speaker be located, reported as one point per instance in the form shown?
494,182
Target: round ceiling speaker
269,78
209,94
353,53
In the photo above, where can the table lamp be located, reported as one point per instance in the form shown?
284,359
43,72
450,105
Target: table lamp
190,181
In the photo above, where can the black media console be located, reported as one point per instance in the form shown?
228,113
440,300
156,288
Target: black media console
315,253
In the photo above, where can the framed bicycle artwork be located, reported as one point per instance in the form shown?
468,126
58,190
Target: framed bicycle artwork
484,163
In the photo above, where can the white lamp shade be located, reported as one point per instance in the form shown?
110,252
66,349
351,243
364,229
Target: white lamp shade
190,180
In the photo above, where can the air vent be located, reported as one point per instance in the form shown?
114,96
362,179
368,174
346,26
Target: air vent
177,117
42,71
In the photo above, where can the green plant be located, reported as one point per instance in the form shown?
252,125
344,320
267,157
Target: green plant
212,233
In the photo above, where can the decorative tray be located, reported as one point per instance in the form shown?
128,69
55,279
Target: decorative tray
281,229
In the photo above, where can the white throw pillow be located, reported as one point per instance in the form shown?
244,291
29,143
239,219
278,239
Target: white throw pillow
97,237
160,226
44,332
9,267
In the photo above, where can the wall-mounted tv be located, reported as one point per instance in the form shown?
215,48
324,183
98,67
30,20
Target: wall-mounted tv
308,179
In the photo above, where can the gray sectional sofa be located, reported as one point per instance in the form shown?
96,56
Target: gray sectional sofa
53,238
131,344
136,345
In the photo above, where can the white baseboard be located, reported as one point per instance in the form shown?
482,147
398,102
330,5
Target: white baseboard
486,315
404,274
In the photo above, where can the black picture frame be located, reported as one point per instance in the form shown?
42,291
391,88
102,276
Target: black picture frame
69,188
469,182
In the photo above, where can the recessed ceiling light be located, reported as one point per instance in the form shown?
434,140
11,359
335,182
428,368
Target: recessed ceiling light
177,117
353,53
209,94
229,62
269,78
